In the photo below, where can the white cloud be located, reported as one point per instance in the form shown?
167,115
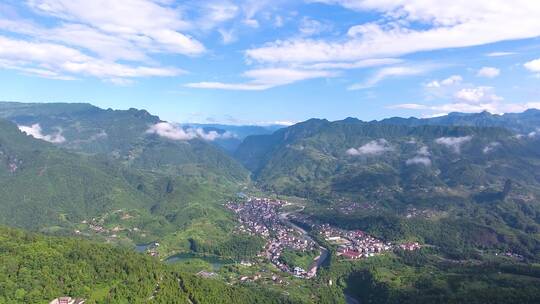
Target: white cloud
492,107
450,81
490,147
36,132
470,100
177,132
266,78
534,133
382,74
228,36
217,12
374,147
453,143
488,72
533,65
110,40
58,61
367,63
419,160
477,95
263,79
460,23
424,151
499,54
312,27
146,23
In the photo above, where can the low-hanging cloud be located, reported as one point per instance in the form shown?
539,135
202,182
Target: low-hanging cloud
490,147
453,143
36,132
534,134
421,158
424,151
374,147
177,132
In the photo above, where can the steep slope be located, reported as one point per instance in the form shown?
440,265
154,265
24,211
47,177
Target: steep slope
233,135
124,136
43,186
101,164
353,156
458,188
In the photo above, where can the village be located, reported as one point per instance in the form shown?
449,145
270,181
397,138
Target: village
261,217
357,244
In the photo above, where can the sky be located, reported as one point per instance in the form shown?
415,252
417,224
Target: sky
274,61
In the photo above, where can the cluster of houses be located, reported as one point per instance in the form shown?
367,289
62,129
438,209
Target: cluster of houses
352,207
357,244
511,255
353,244
409,246
259,216
97,225
413,212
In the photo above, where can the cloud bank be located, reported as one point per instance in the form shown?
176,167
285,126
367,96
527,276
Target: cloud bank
490,147
375,147
421,158
453,143
177,132
36,132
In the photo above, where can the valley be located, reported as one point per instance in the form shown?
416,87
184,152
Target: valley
319,212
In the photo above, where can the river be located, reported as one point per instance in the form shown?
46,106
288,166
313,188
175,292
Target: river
318,261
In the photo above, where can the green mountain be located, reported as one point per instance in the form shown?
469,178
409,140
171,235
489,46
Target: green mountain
351,156
107,164
463,188
124,136
526,122
38,269
233,135
44,186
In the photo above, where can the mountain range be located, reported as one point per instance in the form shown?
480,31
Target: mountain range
466,185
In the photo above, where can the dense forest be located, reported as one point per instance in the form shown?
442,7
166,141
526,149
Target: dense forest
37,269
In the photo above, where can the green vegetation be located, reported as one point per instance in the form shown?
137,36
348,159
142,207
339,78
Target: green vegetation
423,277
237,246
473,206
300,259
169,189
37,269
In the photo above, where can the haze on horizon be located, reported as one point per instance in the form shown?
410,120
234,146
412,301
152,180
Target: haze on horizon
266,62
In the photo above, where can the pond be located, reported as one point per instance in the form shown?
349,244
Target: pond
215,261
142,248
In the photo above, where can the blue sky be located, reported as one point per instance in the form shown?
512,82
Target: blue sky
261,62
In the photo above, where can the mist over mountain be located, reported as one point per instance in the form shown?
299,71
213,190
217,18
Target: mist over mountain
465,185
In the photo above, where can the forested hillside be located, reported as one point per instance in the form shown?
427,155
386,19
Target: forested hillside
169,186
129,136
44,186
37,269
460,188
525,122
